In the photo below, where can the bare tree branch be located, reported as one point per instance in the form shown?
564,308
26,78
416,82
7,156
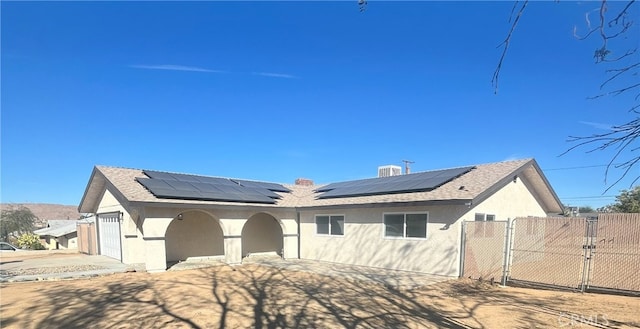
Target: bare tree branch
620,138
622,14
616,92
505,43
624,137
362,4
619,72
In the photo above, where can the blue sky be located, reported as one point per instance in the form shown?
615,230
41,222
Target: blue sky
279,90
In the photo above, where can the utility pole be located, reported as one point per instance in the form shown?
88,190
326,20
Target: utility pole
407,168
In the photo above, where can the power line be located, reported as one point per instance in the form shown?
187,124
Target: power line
582,167
589,197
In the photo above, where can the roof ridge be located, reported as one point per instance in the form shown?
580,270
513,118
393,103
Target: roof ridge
186,173
481,164
117,167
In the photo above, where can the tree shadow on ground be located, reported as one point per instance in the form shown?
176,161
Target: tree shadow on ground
256,296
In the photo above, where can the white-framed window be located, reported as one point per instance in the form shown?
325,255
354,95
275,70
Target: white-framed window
485,217
406,225
485,229
330,224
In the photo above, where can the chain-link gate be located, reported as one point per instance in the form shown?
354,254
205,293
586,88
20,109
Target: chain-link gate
484,250
548,251
571,252
615,260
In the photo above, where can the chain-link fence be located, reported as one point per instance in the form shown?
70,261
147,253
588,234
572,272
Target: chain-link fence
570,252
548,251
484,250
615,263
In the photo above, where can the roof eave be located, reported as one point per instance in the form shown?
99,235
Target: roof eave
83,207
557,203
447,202
549,208
92,195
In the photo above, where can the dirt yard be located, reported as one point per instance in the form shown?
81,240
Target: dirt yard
264,297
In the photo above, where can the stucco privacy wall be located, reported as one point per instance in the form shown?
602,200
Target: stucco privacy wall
363,242
511,201
130,235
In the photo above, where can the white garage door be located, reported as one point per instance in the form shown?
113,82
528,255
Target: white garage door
109,235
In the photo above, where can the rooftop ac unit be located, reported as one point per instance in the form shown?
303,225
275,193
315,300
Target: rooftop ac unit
390,170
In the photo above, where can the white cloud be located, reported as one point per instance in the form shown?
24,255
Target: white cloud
515,156
603,126
170,67
275,75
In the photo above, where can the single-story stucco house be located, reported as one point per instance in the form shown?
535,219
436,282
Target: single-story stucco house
59,234
408,222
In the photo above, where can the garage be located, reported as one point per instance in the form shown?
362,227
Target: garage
109,235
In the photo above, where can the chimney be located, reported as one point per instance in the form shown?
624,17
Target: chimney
407,168
304,182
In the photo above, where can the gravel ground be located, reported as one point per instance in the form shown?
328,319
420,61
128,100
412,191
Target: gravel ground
50,270
256,296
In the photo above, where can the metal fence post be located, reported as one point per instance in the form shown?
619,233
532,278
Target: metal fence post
463,245
507,251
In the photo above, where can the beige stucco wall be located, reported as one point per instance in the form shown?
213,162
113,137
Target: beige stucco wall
69,241
511,201
130,234
262,233
196,235
363,242
48,242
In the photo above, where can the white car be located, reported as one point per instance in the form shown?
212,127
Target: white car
5,246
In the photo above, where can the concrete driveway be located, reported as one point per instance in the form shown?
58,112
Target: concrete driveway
55,265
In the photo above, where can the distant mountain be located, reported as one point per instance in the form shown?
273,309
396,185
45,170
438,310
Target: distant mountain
47,211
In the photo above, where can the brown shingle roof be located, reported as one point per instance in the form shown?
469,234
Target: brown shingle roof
469,186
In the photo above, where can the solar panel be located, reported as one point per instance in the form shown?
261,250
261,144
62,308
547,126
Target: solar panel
159,188
269,186
158,174
418,182
192,187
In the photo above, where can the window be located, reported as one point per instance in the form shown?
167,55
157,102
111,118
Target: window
485,217
405,225
330,224
484,229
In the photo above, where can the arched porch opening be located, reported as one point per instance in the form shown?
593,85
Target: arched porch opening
262,233
193,235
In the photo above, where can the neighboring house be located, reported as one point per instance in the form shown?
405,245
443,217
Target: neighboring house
59,234
409,222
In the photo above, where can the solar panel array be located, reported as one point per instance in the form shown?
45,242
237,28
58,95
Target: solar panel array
418,182
192,187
